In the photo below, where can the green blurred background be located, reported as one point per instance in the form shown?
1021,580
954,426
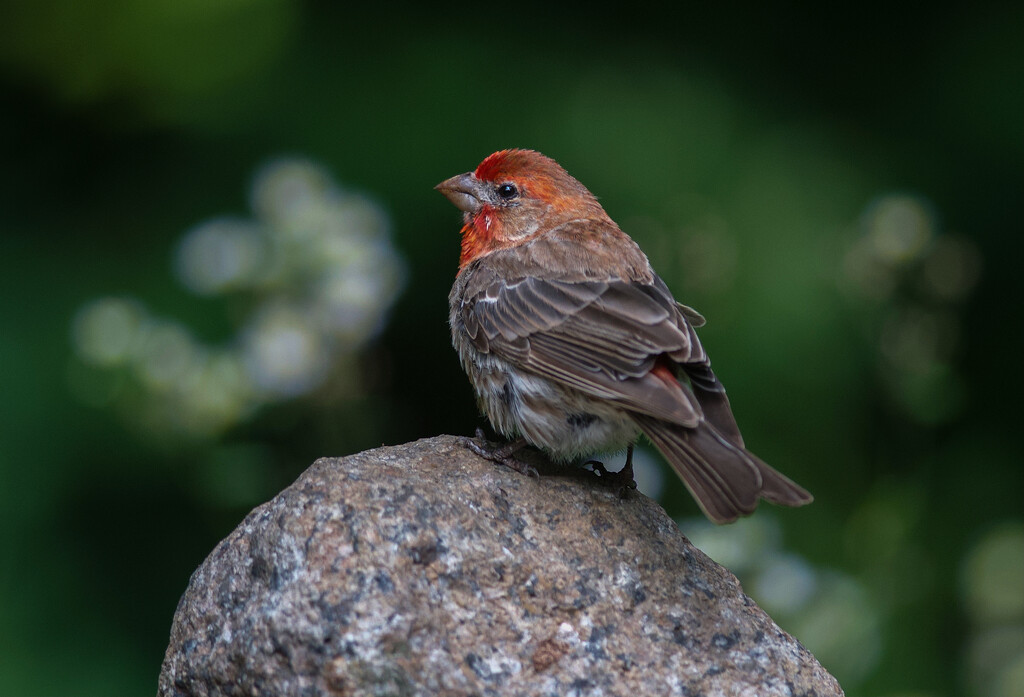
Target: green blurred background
221,257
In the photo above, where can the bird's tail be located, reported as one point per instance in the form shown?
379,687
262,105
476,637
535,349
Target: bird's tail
726,480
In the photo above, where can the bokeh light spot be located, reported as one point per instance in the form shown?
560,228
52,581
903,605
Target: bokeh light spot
284,356
785,584
107,331
993,575
952,269
220,255
899,227
168,355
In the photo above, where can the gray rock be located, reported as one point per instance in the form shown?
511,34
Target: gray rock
421,569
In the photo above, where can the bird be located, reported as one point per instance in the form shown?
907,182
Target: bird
574,345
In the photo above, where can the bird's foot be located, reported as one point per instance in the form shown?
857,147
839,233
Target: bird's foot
622,480
504,454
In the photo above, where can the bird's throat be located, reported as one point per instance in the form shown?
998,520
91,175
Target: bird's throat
480,235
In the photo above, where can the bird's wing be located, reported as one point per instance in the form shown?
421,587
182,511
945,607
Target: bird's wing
604,338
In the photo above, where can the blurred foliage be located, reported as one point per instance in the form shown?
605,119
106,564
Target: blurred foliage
836,188
312,279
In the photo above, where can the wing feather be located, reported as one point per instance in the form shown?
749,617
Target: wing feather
600,337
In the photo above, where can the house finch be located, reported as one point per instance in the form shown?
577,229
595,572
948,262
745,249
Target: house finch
575,346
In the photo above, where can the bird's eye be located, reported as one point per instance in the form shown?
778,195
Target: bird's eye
507,191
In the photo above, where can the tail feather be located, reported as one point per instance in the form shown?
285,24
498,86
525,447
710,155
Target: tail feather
710,393
725,479
777,487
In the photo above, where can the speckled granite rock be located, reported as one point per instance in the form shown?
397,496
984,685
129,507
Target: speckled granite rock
421,569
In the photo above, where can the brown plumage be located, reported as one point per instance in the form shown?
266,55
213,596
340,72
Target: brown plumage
573,343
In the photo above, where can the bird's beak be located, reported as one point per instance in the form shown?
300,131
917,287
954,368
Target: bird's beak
463,190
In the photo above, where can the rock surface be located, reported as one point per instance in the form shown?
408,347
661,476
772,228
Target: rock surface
422,569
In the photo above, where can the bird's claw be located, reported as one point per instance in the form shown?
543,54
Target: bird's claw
502,454
622,480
